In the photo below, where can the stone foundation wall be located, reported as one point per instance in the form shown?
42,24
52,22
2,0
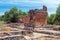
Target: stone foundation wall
10,38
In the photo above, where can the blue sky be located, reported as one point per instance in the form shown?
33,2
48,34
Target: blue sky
26,5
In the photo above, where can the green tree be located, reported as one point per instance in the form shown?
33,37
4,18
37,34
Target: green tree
2,18
21,13
58,15
11,15
51,19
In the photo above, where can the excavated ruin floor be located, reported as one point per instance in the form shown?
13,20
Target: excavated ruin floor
46,32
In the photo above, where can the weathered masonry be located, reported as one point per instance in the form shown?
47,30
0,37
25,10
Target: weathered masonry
37,16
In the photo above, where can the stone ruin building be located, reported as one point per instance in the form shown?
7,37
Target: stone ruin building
36,16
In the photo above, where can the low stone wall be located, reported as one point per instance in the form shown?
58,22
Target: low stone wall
13,37
10,38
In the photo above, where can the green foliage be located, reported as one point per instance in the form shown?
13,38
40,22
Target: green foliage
58,15
21,13
12,15
51,19
55,18
2,18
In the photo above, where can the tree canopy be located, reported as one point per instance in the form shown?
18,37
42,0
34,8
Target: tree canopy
51,19
12,15
55,18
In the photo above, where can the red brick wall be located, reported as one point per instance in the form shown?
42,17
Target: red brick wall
39,17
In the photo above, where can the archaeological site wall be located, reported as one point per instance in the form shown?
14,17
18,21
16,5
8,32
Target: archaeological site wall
36,16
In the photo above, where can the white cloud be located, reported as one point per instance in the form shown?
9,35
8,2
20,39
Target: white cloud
20,1
49,3
33,1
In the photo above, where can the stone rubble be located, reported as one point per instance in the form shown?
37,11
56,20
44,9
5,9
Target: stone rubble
38,34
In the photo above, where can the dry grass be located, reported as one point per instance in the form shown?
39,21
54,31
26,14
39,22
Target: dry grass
4,27
2,23
7,29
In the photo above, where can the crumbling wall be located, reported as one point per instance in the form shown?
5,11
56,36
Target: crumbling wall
38,16
13,38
